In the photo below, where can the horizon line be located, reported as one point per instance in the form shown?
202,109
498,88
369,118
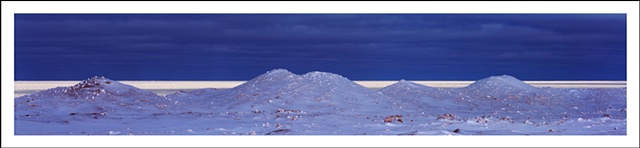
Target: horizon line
349,79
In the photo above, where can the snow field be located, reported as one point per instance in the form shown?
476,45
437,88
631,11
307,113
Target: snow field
318,103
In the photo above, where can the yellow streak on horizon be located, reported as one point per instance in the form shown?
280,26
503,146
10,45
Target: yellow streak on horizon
161,87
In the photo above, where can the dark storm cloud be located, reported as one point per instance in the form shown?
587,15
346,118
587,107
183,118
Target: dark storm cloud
415,46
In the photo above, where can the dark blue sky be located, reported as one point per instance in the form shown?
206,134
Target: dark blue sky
357,46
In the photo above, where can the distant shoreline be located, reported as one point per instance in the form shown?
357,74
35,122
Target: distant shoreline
166,87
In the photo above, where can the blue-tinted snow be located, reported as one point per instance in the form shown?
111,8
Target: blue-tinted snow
96,97
318,103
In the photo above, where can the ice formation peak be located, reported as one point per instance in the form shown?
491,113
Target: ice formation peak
501,81
276,73
504,77
402,81
405,83
100,85
318,74
279,70
96,81
283,74
273,79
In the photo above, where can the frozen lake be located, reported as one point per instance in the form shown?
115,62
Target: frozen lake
167,87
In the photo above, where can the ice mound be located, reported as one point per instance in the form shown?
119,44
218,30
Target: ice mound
410,86
504,88
254,90
507,95
335,89
406,89
279,99
272,81
318,90
96,97
504,82
97,86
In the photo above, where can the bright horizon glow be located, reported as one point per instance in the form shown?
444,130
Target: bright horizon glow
168,87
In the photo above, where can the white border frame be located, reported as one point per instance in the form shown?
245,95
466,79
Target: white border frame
9,8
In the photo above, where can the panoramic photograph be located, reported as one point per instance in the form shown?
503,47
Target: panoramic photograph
320,74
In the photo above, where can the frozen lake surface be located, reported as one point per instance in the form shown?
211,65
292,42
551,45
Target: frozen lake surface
317,103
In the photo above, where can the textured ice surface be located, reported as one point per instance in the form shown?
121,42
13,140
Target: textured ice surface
89,103
506,105
94,95
317,103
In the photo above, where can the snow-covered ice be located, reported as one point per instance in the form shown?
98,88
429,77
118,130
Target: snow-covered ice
318,103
